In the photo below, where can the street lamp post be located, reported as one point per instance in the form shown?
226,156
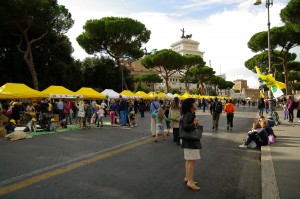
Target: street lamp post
269,3
120,63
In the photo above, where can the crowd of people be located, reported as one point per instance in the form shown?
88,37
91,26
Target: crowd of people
172,114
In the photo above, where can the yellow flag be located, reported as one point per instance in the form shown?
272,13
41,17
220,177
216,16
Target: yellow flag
270,80
261,95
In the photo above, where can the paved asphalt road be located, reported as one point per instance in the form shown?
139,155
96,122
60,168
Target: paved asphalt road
121,162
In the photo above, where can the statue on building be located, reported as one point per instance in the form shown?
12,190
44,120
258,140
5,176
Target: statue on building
185,36
182,30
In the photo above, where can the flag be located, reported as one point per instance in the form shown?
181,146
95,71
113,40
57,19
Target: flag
270,80
261,95
276,91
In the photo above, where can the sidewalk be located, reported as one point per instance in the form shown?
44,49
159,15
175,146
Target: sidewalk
280,163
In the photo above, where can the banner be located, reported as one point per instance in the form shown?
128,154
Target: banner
276,91
270,80
261,95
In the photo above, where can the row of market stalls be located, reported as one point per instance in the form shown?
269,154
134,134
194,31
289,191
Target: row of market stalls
22,91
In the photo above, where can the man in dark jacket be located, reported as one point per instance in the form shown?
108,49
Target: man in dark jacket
215,110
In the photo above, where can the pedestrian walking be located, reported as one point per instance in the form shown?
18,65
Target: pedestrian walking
113,112
191,148
123,108
174,116
168,122
229,110
290,106
153,107
298,111
160,119
142,107
216,109
81,112
261,106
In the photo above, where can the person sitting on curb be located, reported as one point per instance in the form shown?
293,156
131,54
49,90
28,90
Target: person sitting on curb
31,126
10,126
265,125
257,137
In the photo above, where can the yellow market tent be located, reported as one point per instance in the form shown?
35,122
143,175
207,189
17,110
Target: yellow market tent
128,94
89,93
19,91
186,95
59,92
179,96
152,94
143,95
160,95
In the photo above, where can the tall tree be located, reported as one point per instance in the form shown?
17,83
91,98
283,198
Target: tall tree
166,62
118,37
30,22
189,61
202,74
150,79
291,14
283,37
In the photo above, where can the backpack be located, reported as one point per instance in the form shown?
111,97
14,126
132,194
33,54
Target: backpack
218,107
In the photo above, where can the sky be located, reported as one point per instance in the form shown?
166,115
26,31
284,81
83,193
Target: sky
222,27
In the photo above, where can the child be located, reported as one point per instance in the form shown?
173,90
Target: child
285,111
160,118
10,126
31,126
52,126
100,115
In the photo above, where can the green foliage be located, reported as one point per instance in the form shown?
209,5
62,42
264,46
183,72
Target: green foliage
291,14
202,74
165,61
175,90
194,91
26,27
119,37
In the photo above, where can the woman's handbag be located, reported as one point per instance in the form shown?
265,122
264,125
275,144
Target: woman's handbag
271,139
174,117
191,135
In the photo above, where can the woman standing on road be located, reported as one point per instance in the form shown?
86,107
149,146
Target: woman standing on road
174,116
190,147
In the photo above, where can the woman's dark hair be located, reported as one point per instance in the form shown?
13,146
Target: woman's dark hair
175,103
187,104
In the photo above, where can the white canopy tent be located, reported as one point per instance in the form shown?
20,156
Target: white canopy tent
110,93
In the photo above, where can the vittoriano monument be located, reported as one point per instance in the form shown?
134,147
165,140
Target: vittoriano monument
185,36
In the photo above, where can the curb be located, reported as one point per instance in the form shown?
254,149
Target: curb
269,187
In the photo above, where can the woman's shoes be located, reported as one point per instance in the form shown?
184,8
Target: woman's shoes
193,187
185,182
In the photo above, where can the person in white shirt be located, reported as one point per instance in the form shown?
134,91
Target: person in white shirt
31,126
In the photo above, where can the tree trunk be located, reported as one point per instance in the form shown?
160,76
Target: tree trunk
286,77
167,82
28,58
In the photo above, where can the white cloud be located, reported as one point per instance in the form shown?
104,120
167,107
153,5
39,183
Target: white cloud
222,35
